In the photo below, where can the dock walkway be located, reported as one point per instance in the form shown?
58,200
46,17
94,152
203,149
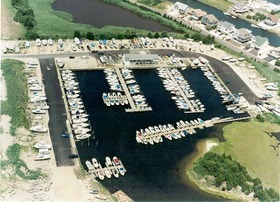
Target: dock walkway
133,108
180,90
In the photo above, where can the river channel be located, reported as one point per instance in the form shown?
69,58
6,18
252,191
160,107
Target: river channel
99,14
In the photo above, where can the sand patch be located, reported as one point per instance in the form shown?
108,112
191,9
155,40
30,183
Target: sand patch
5,138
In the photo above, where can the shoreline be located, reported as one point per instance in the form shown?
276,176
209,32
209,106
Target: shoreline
202,147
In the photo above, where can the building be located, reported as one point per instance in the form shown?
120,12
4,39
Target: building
271,20
240,7
243,35
260,43
196,14
209,20
182,8
275,53
137,59
226,27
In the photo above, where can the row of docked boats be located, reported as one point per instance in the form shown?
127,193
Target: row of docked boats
38,99
111,99
154,134
80,125
180,90
112,167
112,79
230,100
134,88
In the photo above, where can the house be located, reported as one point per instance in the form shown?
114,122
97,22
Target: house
182,8
225,27
136,59
209,20
275,53
196,14
240,7
260,43
271,20
243,35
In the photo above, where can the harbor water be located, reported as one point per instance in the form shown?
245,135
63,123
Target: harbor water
154,172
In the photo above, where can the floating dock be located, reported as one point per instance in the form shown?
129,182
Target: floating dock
133,107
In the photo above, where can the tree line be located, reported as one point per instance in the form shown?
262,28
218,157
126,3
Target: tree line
229,174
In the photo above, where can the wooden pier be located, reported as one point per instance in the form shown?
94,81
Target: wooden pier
192,109
133,108
189,128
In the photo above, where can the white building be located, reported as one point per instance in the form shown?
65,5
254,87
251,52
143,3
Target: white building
137,59
226,27
182,8
260,43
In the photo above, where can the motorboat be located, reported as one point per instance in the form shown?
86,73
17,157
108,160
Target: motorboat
108,161
82,136
108,173
35,87
89,165
115,173
38,111
94,162
116,161
39,129
42,145
41,157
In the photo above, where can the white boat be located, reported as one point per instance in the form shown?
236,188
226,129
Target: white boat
81,130
42,145
41,157
95,163
78,125
108,173
39,129
44,151
108,161
35,87
89,165
116,161
44,42
115,173
82,136
38,111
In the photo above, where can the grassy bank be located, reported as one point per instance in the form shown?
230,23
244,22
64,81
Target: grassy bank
250,144
219,4
17,97
9,28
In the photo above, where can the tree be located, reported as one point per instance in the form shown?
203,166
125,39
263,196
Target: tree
149,35
156,35
164,34
187,35
77,34
90,36
31,35
196,37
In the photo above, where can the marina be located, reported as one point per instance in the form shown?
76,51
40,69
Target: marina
113,167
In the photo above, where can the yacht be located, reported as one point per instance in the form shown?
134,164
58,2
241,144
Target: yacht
82,136
108,161
39,129
108,173
94,162
38,111
116,161
42,145
41,157
89,165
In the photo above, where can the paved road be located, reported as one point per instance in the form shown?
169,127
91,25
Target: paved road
57,124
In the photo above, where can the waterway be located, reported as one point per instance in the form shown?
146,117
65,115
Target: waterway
274,39
99,14
154,172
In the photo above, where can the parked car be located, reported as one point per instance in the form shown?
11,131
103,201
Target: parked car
65,135
73,156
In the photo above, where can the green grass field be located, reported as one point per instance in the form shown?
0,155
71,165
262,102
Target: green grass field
250,145
219,4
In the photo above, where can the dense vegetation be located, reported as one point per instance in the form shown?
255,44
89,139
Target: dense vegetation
229,174
13,154
24,14
257,17
17,99
269,117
